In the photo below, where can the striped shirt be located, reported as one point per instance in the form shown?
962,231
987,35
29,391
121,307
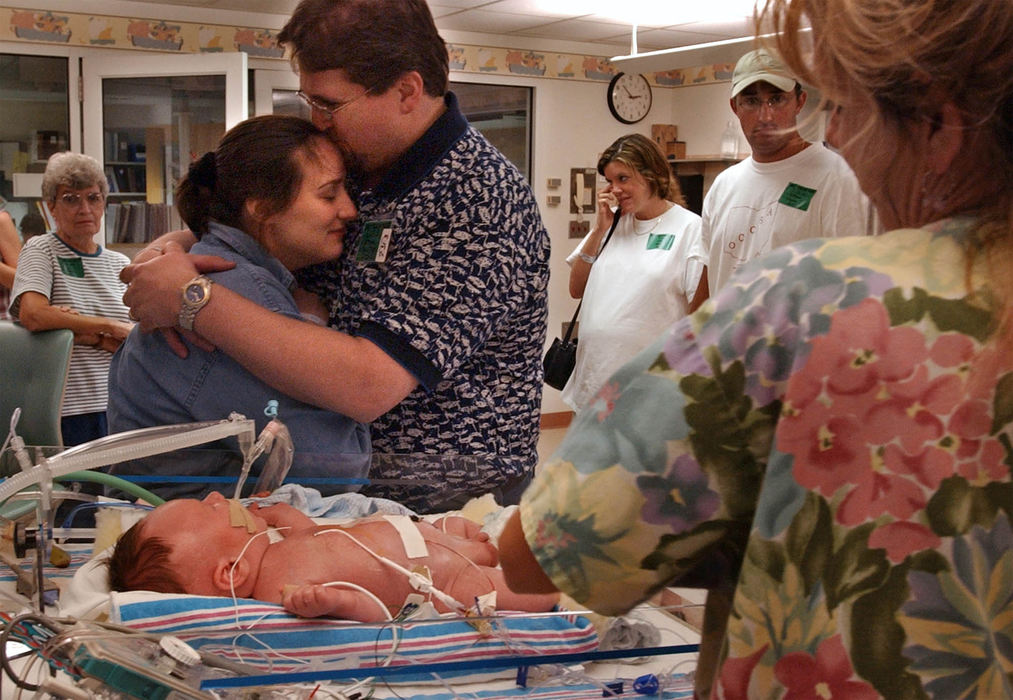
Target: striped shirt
90,284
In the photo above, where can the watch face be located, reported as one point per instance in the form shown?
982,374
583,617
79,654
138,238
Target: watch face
194,292
629,97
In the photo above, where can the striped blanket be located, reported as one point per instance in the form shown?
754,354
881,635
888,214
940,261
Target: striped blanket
264,636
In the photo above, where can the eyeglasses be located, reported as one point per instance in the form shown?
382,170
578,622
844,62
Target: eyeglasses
754,103
330,108
73,199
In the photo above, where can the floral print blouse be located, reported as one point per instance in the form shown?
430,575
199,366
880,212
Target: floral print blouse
832,437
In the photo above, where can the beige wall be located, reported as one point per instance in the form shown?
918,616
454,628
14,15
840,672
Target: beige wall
572,125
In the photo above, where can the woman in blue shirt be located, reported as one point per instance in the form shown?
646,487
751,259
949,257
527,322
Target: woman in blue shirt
271,199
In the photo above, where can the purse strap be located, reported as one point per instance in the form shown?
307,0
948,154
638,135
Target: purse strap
573,322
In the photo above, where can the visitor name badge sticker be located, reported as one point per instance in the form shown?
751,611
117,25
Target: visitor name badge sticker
797,196
374,241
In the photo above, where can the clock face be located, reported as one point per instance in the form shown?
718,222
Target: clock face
629,97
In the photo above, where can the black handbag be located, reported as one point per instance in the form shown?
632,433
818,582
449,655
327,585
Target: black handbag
561,356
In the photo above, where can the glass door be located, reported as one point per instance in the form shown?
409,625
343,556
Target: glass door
146,119
35,121
503,113
274,92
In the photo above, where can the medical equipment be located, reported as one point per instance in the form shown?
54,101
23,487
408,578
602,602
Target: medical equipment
134,444
276,442
115,661
93,660
248,650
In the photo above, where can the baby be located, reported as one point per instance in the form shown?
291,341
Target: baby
361,571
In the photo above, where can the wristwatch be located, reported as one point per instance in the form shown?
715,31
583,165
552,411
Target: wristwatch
196,294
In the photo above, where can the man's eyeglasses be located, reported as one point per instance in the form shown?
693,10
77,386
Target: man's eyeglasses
754,103
73,199
330,108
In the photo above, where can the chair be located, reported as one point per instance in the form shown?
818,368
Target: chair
33,373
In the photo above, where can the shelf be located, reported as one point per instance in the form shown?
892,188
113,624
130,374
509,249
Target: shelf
709,159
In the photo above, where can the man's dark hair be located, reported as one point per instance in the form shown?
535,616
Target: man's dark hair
373,41
32,224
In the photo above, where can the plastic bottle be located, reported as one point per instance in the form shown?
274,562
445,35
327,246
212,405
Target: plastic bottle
730,141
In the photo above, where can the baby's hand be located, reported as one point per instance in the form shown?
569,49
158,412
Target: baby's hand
461,527
310,599
316,600
282,515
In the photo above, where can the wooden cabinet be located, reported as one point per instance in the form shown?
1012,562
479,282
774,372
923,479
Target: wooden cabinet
696,174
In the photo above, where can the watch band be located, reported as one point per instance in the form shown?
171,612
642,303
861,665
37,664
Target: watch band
196,294
589,259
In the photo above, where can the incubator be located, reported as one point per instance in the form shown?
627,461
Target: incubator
159,646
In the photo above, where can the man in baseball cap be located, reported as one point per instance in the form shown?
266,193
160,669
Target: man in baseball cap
761,66
787,190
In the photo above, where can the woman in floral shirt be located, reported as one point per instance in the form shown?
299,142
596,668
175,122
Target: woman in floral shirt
832,436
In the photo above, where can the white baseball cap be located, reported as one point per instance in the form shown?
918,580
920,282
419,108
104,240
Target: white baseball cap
760,65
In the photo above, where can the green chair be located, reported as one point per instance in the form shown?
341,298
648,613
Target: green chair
33,373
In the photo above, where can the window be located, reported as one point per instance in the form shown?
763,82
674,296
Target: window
501,112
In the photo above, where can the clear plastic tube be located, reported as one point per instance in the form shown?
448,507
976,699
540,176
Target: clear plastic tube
133,444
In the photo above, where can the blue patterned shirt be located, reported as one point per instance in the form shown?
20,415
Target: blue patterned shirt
459,298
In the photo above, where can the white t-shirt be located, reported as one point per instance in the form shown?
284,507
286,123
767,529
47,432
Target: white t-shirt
88,283
640,285
753,208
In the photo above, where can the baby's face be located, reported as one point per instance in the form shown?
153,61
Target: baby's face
203,528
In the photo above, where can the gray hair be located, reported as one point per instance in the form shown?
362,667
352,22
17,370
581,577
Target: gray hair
74,171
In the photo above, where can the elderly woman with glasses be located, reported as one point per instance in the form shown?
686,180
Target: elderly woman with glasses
67,280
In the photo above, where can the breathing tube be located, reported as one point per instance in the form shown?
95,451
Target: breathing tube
132,444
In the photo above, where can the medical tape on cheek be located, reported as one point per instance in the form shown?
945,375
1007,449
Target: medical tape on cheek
414,543
241,517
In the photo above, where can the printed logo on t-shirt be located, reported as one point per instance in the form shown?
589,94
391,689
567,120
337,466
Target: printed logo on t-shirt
72,267
660,241
797,196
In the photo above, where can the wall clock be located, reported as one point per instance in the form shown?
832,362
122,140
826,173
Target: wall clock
629,97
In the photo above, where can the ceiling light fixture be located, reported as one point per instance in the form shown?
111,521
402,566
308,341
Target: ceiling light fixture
652,13
726,51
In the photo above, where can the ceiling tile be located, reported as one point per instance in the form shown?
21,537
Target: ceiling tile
489,22
581,30
525,7
523,18
459,4
722,28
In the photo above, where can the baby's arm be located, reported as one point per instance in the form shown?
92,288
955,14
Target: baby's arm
316,600
282,515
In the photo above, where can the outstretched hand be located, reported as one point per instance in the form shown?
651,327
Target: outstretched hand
316,600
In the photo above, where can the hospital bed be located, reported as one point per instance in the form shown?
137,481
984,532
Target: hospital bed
80,640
